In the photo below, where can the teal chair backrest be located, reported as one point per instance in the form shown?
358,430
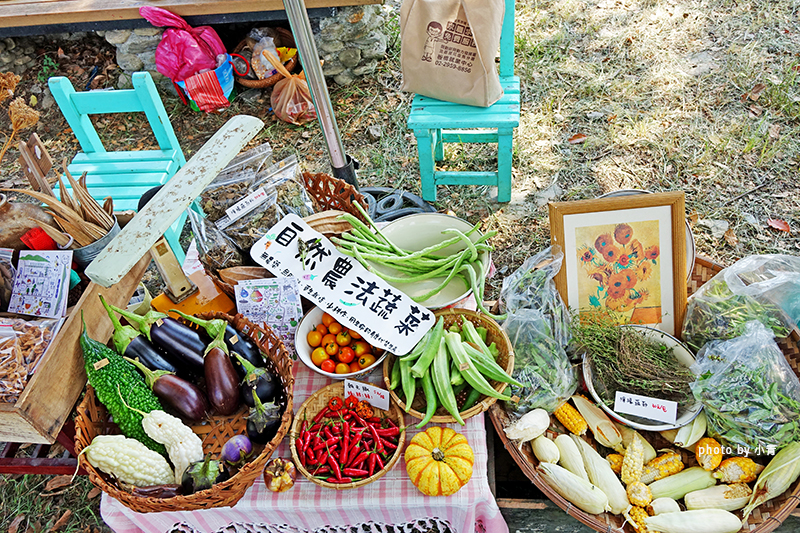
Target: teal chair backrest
506,69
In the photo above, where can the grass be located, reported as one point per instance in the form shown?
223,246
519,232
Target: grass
663,91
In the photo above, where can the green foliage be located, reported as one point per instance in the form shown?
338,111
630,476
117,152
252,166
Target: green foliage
49,66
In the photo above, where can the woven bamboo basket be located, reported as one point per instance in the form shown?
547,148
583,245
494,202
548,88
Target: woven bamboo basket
505,359
313,405
286,39
327,194
763,519
92,419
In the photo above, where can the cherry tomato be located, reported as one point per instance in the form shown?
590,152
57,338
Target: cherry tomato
328,366
347,355
331,349
335,328
343,338
366,360
322,329
319,355
342,368
354,367
327,319
327,339
335,403
351,401
354,334
314,338
361,348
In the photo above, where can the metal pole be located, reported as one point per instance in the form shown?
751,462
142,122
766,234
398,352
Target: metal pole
343,165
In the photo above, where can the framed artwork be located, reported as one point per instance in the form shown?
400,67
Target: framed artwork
625,255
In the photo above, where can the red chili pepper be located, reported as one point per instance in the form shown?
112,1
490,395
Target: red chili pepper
371,463
360,420
388,432
387,444
373,419
388,421
335,403
310,453
356,437
339,480
323,457
321,414
354,472
360,465
360,458
378,461
324,469
351,455
378,443
303,426
334,467
345,442
327,432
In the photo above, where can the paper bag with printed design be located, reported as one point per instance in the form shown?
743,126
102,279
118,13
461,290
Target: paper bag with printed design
449,47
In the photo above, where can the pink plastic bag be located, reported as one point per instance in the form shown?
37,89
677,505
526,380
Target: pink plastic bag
183,50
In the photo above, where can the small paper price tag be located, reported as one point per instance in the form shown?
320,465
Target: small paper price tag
159,322
376,396
463,366
101,363
234,339
251,378
515,399
651,408
247,204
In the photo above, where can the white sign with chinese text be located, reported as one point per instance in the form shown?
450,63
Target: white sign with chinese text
376,396
651,408
342,287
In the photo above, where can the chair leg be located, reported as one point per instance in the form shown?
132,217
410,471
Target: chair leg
505,139
427,165
438,151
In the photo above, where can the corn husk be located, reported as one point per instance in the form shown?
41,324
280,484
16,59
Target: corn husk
600,474
726,497
692,432
603,429
780,473
705,520
627,436
570,456
579,492
663,505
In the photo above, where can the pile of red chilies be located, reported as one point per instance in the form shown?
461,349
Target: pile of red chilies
341,447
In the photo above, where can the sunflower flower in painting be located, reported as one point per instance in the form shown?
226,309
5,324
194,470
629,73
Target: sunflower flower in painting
652,253
623,234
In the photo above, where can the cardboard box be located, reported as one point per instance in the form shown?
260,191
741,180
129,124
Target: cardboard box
51,394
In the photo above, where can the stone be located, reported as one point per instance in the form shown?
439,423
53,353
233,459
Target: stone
7,57
77,36
330,46
345,78
148,32
332,68
376,49
10,44
18,69
28,50
100,33
47,101
116,37
2,47
374,132
22,60
138,44
129,62
251,96
350,58
124,81
36,89
366,69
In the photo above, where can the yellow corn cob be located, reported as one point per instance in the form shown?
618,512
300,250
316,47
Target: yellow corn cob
738,470
634,461
637,516
571,418
639,494
615,460
708,453
661,467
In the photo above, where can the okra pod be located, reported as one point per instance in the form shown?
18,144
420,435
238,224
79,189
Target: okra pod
431,401
408,382
394,378
472,399
470,373
441,381
455,375
488,366
428,355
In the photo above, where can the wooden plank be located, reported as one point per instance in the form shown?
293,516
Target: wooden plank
514,503
48,399
172,200
15,13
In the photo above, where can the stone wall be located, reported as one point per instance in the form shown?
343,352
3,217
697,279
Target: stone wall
17,54
351,42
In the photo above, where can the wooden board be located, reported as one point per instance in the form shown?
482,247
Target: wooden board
14,13
48,399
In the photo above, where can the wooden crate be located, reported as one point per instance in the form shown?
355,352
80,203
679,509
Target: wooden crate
48,399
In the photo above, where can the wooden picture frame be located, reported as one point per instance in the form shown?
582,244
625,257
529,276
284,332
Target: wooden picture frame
626,254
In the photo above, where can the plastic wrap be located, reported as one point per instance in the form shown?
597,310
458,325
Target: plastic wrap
254,224
758,287
540,363
750,394
215,249
531,286
22,344
286,178
261,66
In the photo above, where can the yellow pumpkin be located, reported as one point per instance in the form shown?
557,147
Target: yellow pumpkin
439,461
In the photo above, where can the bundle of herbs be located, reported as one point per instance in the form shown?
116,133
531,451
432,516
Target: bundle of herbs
750,394
624,359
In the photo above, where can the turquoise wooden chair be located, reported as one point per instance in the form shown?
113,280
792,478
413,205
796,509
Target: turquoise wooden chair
435,122
123,175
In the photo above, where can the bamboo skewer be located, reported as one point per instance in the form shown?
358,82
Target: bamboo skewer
92,212
61,239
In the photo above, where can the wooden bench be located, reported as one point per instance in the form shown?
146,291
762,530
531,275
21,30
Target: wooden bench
41,17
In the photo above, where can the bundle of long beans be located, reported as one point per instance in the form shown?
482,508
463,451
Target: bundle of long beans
367,244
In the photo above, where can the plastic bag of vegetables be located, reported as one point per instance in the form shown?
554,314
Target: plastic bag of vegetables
750,393
541,364
758,287
531,286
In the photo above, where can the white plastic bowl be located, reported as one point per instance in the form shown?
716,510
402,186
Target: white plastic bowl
309,322
417,232
684,357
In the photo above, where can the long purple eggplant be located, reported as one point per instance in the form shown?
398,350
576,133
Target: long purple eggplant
222,383
183,344
130,343
182,396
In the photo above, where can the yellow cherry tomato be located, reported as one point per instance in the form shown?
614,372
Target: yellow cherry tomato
331,349
354,367
335,328
318,356
327,339
314,338
327,319
343,338
366,360
342,368
322,328
354,334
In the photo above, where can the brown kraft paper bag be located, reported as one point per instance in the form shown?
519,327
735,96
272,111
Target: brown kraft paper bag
448,49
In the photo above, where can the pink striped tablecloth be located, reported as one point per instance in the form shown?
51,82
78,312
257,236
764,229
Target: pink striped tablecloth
390,501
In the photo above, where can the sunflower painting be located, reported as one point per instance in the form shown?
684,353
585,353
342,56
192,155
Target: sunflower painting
621,269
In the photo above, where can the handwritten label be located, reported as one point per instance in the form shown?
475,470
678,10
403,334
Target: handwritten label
342,287
376,396
651,408
246,204
101,363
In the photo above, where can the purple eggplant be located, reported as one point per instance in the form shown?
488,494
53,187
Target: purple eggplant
236,342
183,397
182,344
130,343
202,475
259,380
264,420
222,383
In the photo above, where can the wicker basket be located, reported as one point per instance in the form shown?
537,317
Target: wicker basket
285,39
765,518
327,193
92,420
505,359
313,405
